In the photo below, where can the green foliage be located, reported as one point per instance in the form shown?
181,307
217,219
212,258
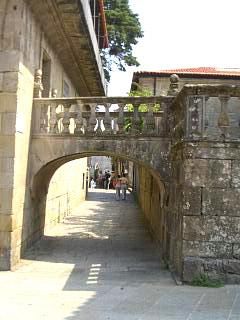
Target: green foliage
204,281
123,28
142,108
142,93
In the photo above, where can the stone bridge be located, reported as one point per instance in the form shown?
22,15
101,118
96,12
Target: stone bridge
65,129
190,148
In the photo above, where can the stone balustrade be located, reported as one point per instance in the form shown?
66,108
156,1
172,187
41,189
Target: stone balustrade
206,112
99,116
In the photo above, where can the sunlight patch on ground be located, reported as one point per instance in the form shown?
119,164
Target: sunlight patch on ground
94,274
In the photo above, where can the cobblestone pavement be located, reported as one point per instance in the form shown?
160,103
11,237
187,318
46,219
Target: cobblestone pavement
101,264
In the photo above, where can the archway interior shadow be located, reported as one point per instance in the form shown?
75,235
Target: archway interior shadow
107,242
40,184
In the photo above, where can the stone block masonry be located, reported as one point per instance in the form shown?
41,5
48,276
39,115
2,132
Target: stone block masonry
66,191
21,50
211,226
205,188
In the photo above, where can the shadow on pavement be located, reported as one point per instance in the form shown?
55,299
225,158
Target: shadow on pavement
112,252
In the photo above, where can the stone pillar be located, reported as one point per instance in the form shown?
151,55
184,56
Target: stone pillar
205,188
16,89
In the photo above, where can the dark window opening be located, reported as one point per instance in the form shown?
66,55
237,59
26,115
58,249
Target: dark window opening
83,181
66,89
46,75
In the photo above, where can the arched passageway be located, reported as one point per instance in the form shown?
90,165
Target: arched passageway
148,188
101,232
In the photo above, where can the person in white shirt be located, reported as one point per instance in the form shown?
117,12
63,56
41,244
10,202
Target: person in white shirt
124,186
118,187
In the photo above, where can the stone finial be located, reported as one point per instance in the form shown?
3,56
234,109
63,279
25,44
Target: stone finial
38,87
54,93
174,82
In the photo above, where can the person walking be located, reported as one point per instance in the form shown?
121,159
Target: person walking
92,183
118,187
106,180
124,186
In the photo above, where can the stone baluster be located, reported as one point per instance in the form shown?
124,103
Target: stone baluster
79,120
223,120
92,121
44,118
53,116
66,118
99,129
38,87
107,121
149,124
120,120
115,126
54,93
135,129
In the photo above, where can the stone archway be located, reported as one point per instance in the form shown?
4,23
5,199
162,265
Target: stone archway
47,155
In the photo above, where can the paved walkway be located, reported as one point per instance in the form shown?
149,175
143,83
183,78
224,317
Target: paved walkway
102,265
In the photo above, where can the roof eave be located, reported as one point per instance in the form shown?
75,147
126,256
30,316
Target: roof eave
69,29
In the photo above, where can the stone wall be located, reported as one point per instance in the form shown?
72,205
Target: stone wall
151,200
205,188
67,190
210,207
21,51
15,120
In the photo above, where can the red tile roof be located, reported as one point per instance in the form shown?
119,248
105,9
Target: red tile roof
195,71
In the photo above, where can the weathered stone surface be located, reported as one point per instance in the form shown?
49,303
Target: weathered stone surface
209,228
217,201
207,173
208,150
231,278
236,173
1,81
10,81
207,249
231,266
191,201
226,270
191,268
236,250
9,61
5,256
8,126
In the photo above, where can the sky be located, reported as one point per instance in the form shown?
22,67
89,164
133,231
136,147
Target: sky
183,34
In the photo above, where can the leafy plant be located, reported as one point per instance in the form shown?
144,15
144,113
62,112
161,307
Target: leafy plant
204,281
142,108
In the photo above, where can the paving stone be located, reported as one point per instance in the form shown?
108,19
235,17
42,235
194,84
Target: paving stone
101,264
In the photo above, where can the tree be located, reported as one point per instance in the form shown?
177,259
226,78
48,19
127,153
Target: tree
124,29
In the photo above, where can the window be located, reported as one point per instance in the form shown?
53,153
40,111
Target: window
46,75
66,89
83,181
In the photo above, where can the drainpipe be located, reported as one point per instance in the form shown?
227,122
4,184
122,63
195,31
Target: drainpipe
104,24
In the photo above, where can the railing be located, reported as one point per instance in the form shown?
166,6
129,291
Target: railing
99,116
206,112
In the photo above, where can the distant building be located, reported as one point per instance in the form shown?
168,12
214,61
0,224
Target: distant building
158,81
103,163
